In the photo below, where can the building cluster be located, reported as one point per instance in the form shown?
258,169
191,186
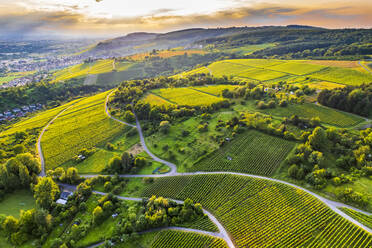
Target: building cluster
19,112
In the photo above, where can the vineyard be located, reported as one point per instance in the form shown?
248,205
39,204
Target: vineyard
343,76
82,70
261,213
187,96
362,218
164,54
326,115
156,100
252,152
174,239
297,68
199,70
85,125
338,72
216,89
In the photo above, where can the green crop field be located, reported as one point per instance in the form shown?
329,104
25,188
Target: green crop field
82,70
173,239
261,74
216,89
187,96
297,68
85,125
222,68
343,76
260,213
259,63
199,70
362,218
16,201
252,152
309,110
156,100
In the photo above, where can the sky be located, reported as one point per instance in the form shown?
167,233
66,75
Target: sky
89,18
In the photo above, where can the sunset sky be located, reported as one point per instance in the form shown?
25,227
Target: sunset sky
118,17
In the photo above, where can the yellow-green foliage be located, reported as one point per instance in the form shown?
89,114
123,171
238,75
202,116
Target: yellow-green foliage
82,70
156,100
261,74
226,68
188,96
192,72
84,125
297,68
308,110
259,63
122,65
261,213
246,50
35,123
216,89
343,76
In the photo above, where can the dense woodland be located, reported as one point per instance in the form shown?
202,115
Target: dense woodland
357,100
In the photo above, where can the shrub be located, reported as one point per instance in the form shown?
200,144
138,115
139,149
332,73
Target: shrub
110,146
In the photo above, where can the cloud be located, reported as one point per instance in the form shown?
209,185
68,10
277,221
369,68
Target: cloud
71,22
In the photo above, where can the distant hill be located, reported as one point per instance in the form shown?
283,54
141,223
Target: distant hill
292,41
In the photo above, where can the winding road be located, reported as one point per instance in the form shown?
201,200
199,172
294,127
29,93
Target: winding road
365,67
173,172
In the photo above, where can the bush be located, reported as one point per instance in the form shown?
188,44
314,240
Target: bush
110,146
293,171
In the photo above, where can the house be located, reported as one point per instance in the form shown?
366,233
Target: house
115,215
63,198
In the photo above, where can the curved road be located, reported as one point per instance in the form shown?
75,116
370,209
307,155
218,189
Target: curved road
39,151
365,67
223,233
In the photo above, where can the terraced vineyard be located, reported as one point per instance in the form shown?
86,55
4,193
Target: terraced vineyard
326,115
362,218
261,74
253,152
85,125
173,239
261,213
187,96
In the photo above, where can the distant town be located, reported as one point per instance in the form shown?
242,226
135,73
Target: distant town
19,112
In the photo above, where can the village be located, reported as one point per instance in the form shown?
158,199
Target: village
19,112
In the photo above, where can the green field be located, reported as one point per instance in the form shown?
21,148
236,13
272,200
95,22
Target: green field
16,201
173,239
85,125
260,213
297,68
156,100
216,89
187,97
309,110
252,152
270,69
343,76
184,151
261,74
362,218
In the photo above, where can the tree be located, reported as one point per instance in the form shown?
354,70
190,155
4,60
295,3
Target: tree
164,127
318,139
45,192
293,171
126,161
10,225
129,116
18,149
72,175
140,162
30,162
115,164
97,215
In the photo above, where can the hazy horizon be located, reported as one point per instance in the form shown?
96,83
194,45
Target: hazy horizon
109,18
